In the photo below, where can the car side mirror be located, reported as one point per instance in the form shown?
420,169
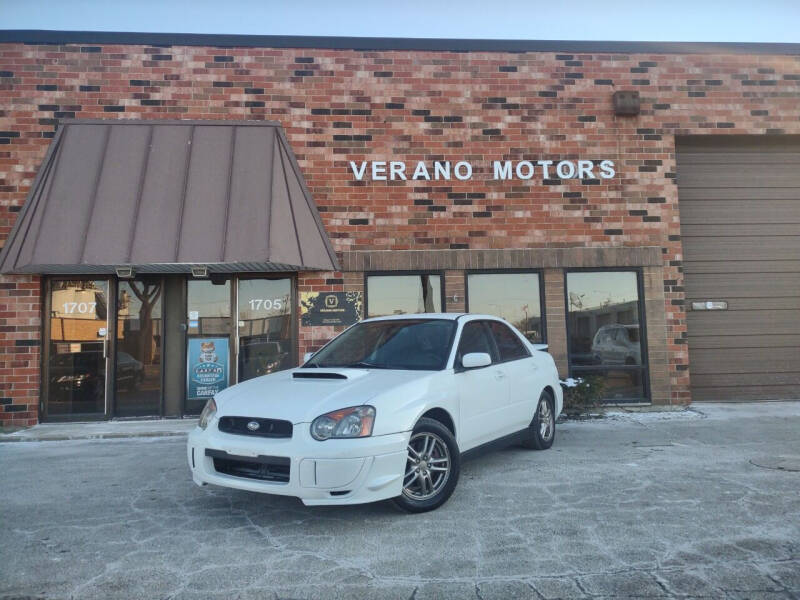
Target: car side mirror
307,356
475,360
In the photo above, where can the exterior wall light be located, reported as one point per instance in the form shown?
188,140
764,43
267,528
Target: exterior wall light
199,272
125,272
626,104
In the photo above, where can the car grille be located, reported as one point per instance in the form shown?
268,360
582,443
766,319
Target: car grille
263,468
270,428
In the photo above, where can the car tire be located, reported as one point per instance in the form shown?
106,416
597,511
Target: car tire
542,431
425,486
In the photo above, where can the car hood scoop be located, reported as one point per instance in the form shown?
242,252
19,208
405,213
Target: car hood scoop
318,375
329,373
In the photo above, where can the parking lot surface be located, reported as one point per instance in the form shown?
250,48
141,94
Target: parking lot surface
698,504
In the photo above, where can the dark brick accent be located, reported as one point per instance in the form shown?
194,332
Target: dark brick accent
26,343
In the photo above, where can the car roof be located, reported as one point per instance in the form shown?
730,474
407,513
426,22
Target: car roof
432,316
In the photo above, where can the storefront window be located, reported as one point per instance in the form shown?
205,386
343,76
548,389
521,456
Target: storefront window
208,351
75,370
515,297
604,332
403,294
265,326
209,307
138,351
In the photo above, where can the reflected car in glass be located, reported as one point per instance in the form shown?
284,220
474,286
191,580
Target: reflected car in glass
77,376
130,372
384,410
617,344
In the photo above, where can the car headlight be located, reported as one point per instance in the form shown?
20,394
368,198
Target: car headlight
209,410
353,422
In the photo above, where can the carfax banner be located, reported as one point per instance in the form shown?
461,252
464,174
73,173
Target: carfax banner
206,367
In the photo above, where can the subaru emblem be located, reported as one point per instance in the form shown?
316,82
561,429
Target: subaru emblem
253,425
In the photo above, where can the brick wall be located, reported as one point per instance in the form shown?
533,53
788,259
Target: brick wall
339,105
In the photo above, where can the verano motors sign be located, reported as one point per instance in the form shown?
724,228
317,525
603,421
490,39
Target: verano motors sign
381,170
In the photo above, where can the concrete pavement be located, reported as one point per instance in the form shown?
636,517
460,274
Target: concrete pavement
101,430
655,505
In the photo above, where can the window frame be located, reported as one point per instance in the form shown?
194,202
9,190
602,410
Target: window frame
538,272
644,368
368,274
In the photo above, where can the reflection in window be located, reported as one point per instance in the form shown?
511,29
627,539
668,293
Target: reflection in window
604,331
513,296
139,337
209,307
76,369
403,294
265,327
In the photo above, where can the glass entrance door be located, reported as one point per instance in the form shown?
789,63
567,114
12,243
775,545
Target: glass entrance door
137,373
264,326
78,348
208,348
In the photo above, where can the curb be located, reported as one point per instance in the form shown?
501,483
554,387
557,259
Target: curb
97,436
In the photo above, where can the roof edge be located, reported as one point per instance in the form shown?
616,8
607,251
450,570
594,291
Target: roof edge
42,36
234,122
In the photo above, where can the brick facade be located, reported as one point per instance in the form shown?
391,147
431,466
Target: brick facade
342,105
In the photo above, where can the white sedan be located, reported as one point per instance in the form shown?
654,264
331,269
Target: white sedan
385,410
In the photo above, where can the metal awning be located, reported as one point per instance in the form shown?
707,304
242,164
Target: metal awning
163,196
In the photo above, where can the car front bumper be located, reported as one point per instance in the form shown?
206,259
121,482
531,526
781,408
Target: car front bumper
345,471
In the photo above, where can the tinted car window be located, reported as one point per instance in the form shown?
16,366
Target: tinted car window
508,344
418,344
475,338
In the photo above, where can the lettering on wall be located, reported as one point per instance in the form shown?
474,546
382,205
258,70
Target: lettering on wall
381,170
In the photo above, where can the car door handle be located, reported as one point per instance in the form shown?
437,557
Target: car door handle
499,375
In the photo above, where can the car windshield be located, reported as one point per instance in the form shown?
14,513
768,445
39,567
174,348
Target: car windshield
406,344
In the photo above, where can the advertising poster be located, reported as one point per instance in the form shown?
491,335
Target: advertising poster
330,308
207,367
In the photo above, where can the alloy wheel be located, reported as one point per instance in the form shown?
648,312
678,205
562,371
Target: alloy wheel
427,467
546,424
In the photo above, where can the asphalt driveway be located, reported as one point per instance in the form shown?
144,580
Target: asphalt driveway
654,505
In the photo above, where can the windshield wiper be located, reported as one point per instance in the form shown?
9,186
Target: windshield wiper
363,365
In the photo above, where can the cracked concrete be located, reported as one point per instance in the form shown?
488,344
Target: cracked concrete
634,506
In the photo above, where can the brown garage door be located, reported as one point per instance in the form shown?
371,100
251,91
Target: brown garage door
740,225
